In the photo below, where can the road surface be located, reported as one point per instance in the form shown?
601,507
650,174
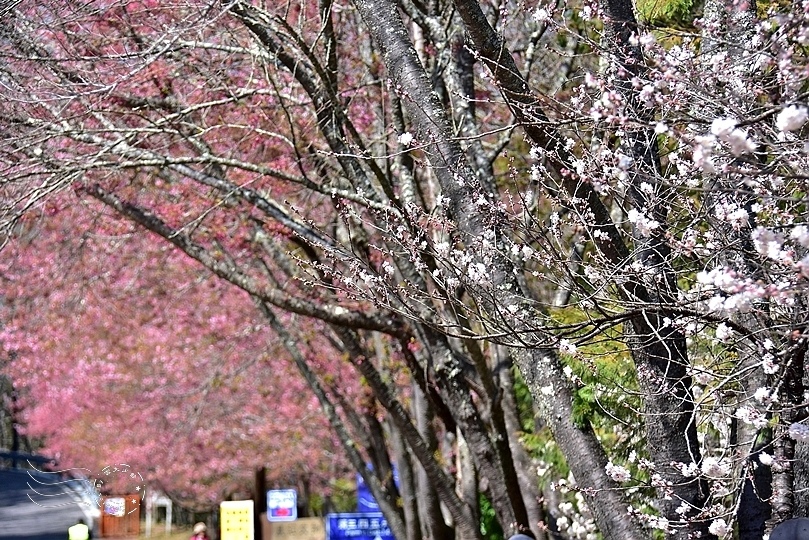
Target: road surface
40,506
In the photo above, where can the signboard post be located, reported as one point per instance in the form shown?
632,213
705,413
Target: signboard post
120,516
282,505
236,520
358,526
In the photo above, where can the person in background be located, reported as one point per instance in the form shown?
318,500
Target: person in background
79,531
200,532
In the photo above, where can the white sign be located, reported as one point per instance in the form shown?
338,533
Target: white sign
115,506
282,505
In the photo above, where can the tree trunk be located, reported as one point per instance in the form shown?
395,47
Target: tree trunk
386,503
449,164
586,458
466,477
791,393
466,525
407,482
801,466
432,518
526,470
659,351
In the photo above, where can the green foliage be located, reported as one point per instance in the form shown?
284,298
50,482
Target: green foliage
668,13
603,372
525,403
537,442
489,527
584,405
343,498
541,447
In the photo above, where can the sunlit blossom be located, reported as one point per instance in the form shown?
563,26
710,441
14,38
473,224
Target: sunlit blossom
724,332
405,138
715,467
617,472
719,527
541,15
567,347
791,118
644,225
752,416
762,395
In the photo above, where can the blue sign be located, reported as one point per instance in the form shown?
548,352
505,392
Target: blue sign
358,526
282,505
365,501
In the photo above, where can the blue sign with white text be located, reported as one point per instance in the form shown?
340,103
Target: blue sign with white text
358,526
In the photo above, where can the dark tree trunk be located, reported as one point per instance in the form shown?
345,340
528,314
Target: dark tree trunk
658,350
449,164
791,392
801,468
466,476
526,470
387,503
432,519
407,483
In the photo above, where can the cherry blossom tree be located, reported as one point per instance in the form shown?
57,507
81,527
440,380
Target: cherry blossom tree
451,189
153,363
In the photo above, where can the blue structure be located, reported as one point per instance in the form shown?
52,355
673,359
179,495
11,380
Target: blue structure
365,501
358,526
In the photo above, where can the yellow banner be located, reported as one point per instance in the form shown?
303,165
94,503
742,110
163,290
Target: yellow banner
236,520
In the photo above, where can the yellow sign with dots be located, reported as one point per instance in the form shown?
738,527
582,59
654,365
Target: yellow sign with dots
236,520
